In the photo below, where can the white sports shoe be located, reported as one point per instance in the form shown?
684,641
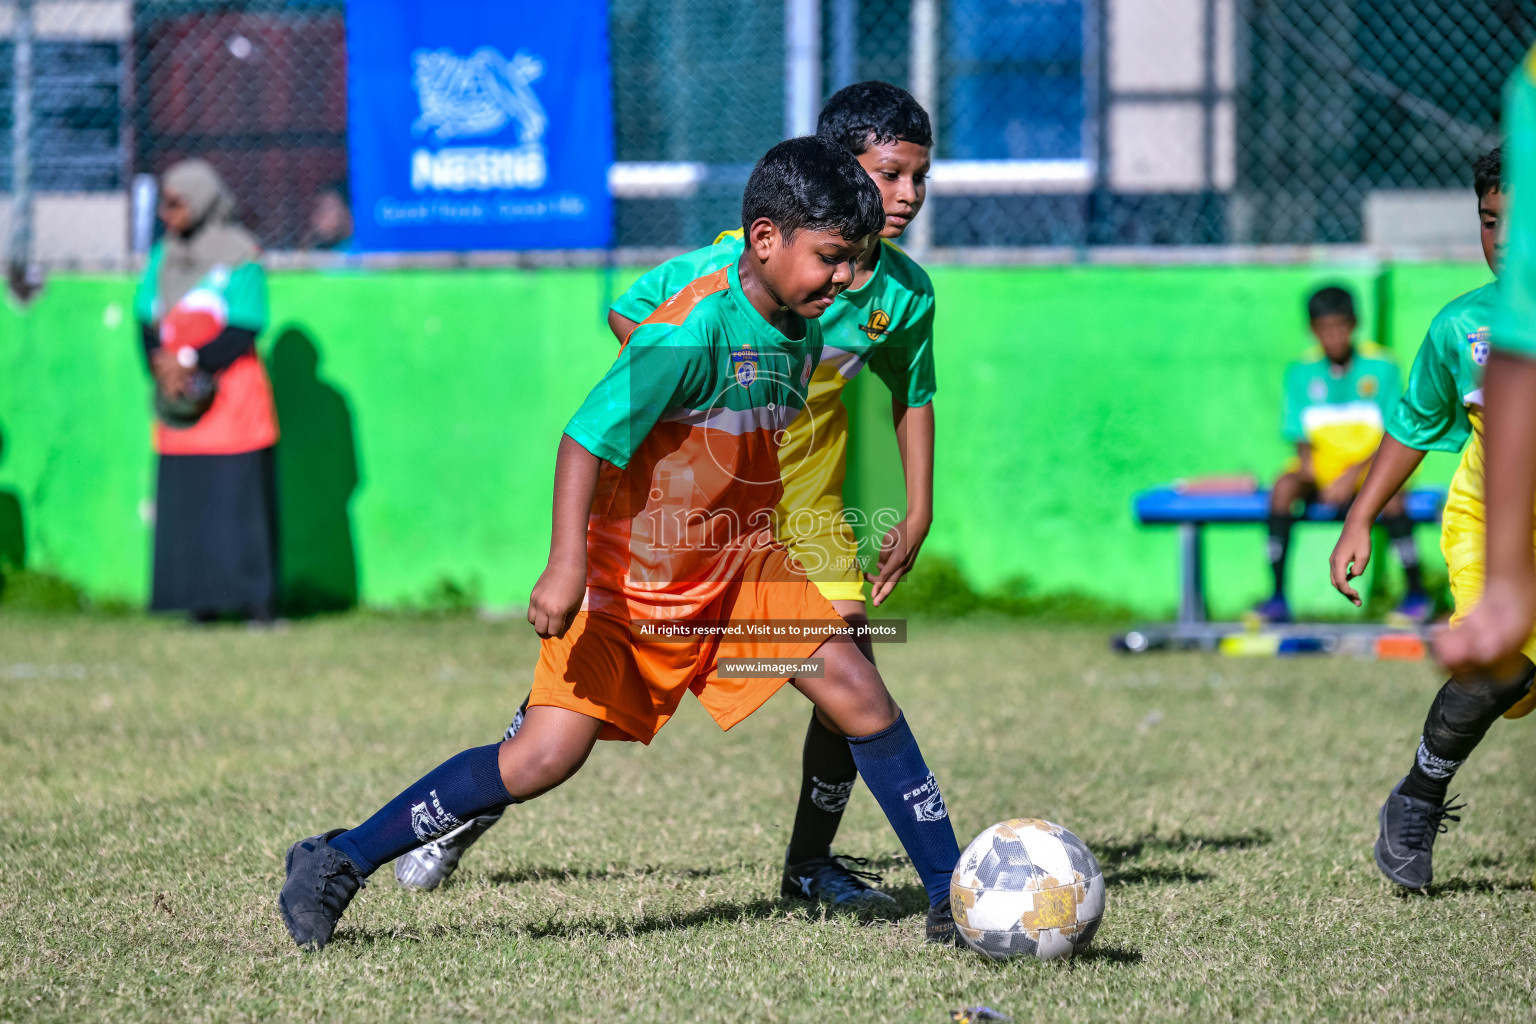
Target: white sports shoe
427,867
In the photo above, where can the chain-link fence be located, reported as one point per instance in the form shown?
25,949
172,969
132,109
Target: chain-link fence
1061,123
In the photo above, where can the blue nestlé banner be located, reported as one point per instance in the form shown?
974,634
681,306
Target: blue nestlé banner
479,124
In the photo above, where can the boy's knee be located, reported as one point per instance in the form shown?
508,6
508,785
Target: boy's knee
1287,490
1472,701
530,768
863,691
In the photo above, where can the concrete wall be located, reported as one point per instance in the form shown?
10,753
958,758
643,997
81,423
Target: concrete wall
421,409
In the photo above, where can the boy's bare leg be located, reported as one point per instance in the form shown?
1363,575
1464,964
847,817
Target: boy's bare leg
550,747
1415,606
1289,489
325,871
853,697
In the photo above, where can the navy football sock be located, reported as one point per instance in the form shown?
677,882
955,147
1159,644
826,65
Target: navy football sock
467,784
893,769
827,778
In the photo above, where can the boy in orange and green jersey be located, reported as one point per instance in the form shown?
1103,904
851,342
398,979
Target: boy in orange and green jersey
665,483
1498,631
883,321
1442,410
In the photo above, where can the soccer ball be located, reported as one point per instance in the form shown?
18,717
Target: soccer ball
1027,887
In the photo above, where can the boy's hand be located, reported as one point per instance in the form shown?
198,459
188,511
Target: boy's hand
1350,557
556,598
170,376
1494,631
898,553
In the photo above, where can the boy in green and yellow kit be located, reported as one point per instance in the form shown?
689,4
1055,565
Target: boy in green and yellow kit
1442,409
1497,632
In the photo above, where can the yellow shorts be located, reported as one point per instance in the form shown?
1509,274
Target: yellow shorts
1463,541
823,543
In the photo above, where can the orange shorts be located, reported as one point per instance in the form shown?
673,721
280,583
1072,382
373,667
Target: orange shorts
633,686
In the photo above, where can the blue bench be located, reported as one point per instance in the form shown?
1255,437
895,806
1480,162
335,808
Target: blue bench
1192,512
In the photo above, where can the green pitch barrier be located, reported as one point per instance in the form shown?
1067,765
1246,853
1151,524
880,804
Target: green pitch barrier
420,412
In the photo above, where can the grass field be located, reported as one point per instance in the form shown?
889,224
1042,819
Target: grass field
154,775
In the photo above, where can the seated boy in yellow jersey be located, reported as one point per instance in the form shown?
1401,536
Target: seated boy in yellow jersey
1495,634
1335,402
1441,410
883,320
665,482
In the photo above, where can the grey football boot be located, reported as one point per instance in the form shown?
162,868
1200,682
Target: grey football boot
320,881
1405,846
427,867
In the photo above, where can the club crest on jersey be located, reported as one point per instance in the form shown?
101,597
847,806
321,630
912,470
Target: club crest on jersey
878,326
1317,391
1480,349
745,362
1368,387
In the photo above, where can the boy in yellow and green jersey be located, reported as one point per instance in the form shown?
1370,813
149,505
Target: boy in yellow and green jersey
1498,630
1335,402
1442,410
883,321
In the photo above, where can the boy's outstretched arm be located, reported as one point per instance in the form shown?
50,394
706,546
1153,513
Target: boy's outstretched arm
1393,465
556,597
899,547
1501,622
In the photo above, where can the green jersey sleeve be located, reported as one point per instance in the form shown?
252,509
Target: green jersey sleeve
660,283
904,361
246,295
648,292
1429,416
144,310
1293,402
1514,322
662,369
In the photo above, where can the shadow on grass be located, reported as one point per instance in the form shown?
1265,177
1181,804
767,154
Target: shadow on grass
552,874
1482,886
1152,876
1116,858
911,901
718,912
1111,955
1179,842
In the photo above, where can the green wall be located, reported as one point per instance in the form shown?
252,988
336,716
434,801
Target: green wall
421,410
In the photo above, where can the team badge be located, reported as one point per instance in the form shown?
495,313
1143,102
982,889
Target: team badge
1317,391
745,362
805,372
1480,349
878,326
1368,387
